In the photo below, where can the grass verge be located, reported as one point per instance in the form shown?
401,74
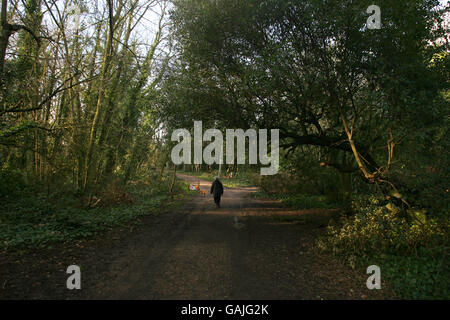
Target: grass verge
299,201
39,221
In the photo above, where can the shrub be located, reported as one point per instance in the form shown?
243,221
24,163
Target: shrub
411,253
11,183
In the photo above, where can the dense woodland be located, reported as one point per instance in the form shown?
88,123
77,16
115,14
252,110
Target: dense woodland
88,103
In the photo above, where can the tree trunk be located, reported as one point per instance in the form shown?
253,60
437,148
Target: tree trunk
174,178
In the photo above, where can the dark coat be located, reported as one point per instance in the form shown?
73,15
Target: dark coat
217,189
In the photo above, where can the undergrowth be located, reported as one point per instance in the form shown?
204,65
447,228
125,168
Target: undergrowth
37,220
412,254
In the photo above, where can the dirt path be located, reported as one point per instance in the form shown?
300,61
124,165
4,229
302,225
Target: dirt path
241,251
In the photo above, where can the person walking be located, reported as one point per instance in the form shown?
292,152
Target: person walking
217,191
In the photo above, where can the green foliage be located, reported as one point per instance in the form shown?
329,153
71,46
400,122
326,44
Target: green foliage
411,254
422,276
307,68
89,120
11,183
37,221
